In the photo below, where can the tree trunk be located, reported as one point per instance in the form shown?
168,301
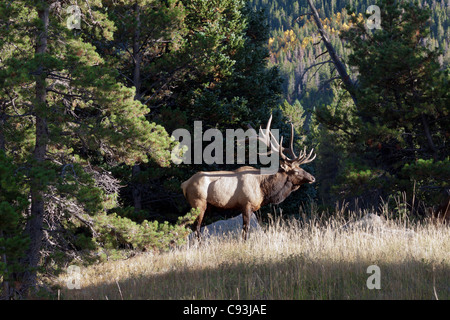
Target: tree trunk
33,228
426,128
5,283
137,54
136,187
340,67
2,135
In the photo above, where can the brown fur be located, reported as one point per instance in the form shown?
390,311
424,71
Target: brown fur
244,189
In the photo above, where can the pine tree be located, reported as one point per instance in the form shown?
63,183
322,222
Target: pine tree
403,104
65,103
402,88
145,52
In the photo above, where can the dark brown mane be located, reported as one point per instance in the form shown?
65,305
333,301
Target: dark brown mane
276,188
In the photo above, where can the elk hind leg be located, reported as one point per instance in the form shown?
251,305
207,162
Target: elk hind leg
196,227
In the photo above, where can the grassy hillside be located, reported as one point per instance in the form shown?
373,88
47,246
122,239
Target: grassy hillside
324,258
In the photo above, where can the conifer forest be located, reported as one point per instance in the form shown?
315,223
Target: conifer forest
92,91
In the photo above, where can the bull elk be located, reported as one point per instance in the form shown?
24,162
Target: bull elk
246,189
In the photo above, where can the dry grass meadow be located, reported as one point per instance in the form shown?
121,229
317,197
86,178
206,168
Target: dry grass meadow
323,258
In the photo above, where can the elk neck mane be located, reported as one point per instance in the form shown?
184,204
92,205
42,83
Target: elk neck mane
275,187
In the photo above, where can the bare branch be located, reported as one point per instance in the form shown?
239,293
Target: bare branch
325,83
314,65
326,51
302,15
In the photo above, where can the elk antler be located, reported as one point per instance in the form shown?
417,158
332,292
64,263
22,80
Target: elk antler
266,137
303,158
275,146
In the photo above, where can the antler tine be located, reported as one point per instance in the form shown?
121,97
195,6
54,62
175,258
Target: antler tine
262,136
281,149
269,123
274,146
271,141
265,137
302,154
303,159
292,155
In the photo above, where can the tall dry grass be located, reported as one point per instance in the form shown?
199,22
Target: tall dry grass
321,258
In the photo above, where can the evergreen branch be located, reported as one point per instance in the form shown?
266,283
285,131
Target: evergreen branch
58,77
71,95
124,75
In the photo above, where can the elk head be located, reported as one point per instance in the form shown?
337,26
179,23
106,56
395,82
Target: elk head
288,163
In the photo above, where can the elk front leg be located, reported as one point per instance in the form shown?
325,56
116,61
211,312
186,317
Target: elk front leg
246,222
